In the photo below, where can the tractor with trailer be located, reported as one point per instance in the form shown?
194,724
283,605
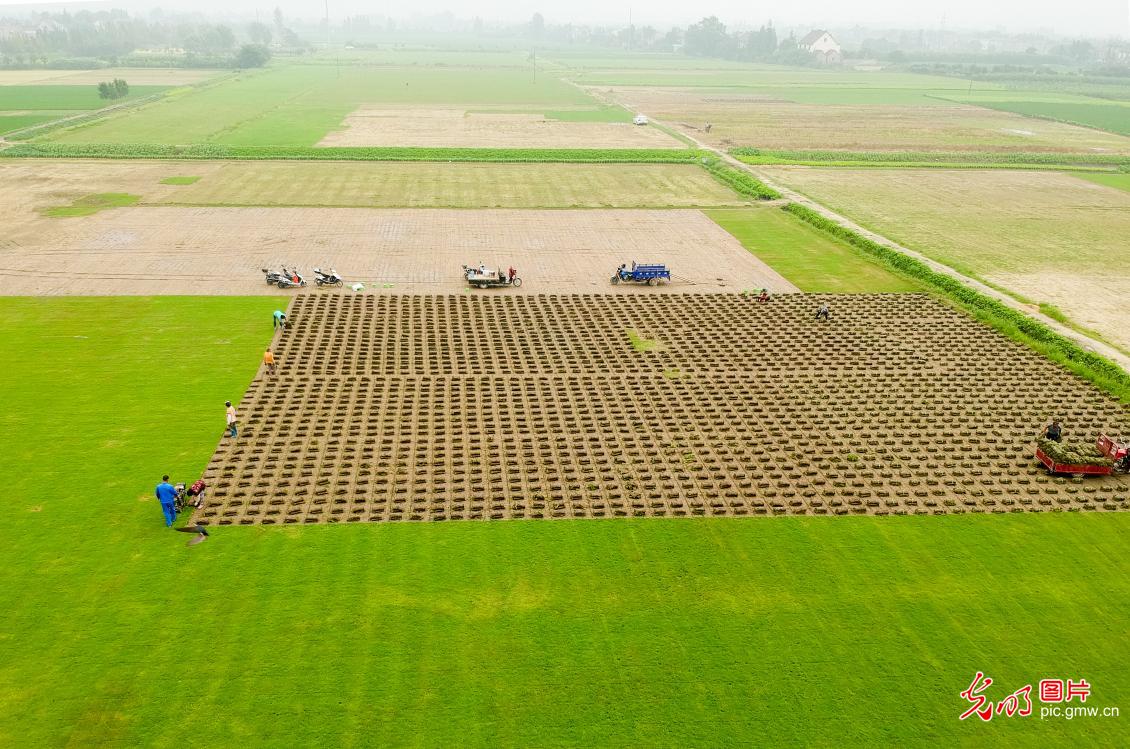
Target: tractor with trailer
1100,459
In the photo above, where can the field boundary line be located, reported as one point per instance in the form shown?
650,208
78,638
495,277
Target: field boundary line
1083,341
216,152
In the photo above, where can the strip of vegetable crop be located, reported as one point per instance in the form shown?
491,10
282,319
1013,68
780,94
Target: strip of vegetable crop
740,182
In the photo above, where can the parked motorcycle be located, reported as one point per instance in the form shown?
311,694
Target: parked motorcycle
323,278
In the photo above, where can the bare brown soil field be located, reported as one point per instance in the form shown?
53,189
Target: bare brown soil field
390,126
742,120
161,250
467,407
1048,236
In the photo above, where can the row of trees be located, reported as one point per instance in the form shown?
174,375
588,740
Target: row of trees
114,89
46,38
707,38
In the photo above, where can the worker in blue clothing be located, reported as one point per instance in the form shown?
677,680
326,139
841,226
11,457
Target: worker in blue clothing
280,319
167,496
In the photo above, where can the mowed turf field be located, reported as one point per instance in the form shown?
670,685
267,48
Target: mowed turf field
1047,237
811,260
659,633
443,185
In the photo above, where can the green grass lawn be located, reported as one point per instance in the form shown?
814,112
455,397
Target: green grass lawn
808,258
180,180
91,204
296,105
64,97
770,631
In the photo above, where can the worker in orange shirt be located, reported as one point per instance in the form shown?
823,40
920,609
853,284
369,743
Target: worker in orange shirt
269,361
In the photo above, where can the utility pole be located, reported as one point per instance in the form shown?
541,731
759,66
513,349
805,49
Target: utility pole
631,30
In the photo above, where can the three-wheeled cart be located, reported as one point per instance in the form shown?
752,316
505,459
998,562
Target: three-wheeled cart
483,278
651,274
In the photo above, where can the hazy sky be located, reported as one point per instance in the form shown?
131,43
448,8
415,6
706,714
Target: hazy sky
1100,17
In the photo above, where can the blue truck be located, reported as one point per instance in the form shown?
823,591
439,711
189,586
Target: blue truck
651,274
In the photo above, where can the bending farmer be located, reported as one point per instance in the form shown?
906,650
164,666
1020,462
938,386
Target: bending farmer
280,319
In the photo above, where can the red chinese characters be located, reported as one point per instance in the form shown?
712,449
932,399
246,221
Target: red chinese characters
1011,705
1082,690
981,704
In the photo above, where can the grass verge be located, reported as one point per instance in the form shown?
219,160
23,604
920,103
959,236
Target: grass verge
238,153
1016,325
90,204
705,632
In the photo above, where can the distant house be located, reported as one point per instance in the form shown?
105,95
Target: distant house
823,46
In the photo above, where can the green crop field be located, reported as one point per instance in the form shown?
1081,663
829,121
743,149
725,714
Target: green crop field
809,259
751,76
773,631
296,105
24,106
1102,114
778,107
38,98
12,122
461,185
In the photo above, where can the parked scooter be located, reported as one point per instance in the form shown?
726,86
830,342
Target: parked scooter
274,276
290,279
327,279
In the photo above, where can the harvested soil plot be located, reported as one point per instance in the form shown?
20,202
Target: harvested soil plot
456,407
740,120
220,250
379,126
